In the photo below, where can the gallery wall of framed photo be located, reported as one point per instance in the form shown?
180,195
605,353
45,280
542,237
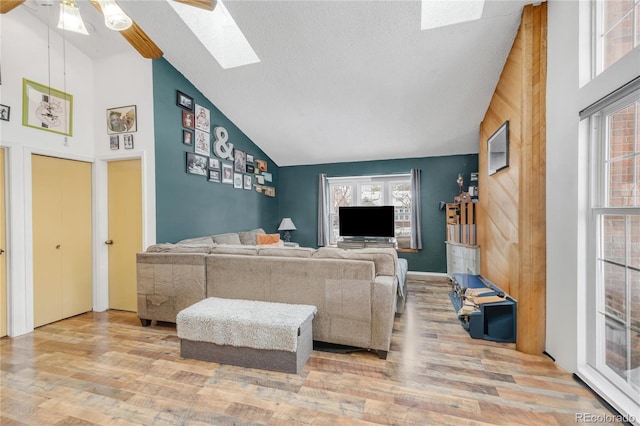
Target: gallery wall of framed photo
211,155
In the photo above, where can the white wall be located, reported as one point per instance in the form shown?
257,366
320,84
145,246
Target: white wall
25,55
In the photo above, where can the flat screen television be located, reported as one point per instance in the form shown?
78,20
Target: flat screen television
366,221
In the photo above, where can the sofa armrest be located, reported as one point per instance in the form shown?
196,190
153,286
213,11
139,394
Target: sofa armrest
383,308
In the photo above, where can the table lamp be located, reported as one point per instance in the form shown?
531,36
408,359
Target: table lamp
287,225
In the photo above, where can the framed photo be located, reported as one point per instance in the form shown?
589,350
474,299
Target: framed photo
269,191
267,177
121,120
250,168
203,144
187,120
128,141
114,142
196,164
237,180
202,119
214,175
46,108
239,161
260,179
498,149
184,101
187,137
247,182
214,163
227,172
249,158
262,165
5,111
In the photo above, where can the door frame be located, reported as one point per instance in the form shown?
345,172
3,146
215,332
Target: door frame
101,224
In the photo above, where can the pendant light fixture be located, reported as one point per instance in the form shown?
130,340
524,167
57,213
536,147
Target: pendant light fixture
70,19
114,18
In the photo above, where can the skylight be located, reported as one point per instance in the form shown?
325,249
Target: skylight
219,33
439,13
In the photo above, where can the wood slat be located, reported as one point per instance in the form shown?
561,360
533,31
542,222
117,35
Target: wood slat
9,5
202,4
99,368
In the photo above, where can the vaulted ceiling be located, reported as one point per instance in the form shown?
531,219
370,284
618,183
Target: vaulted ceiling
337,81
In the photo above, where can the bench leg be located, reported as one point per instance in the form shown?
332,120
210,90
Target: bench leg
382,354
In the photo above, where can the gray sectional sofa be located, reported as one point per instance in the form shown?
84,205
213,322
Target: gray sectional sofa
355,291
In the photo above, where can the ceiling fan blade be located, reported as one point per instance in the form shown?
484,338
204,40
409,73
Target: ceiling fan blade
9,5
137,38
202,4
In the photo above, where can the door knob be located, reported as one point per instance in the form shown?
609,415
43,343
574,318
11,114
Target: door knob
109,242
1,251
58,246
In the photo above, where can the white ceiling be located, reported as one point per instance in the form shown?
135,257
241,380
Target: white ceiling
338,81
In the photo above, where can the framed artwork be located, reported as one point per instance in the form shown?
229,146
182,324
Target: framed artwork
262,165
247,182
128,141
260,179
249,158
269,191
121,120
498,149
250,168
214,163
114,142
239,161
214,175
227,172
202,118
187,120
187,137
203,144
5,111
237,180
196,164
46,108
267,177
184,101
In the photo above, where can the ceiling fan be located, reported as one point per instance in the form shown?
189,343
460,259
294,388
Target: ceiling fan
116,20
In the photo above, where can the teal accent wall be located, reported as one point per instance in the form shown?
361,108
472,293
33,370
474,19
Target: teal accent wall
189,205
298,199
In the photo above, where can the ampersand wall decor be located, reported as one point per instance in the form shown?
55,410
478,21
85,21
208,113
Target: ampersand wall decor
221,147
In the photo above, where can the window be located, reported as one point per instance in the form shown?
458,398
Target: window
618,30
615,233
389,190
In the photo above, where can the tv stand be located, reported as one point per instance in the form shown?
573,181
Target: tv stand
364,242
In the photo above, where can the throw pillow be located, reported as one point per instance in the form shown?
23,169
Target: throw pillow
230,238
249,237
264,239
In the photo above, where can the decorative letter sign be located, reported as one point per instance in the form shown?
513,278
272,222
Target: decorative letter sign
221,147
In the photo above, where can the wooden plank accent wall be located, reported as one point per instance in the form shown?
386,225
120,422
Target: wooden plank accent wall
511,219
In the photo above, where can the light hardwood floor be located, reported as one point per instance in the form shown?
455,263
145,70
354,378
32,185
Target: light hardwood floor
104,368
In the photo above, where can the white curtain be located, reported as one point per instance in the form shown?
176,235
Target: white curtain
323,211
416,226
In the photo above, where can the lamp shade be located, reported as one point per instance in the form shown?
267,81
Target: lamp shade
287,225
114,18
70,19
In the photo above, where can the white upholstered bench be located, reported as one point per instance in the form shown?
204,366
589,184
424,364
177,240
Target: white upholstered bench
247,333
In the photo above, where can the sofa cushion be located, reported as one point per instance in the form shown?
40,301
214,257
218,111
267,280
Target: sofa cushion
179,248
230,238
199,241
385,259
234,249
249,237
265,239
306,252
